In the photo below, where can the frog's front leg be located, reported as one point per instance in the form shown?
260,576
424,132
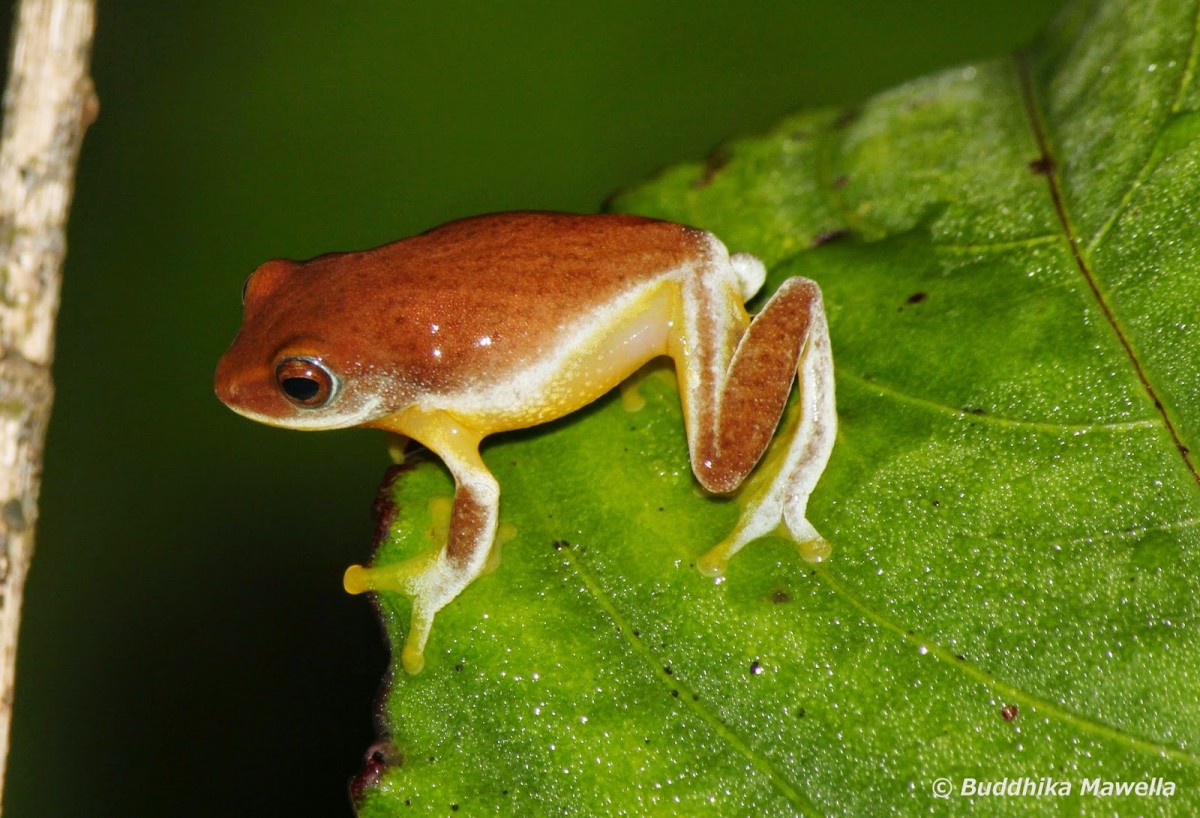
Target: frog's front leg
434,578
736,375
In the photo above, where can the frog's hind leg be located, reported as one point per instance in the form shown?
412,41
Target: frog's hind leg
736,380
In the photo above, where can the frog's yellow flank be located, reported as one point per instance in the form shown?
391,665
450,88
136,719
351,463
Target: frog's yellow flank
514,319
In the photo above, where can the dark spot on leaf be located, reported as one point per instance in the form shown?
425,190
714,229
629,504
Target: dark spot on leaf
454,807
916,298
847,117
458,668
716,162
667,670
1010,712
829,236
695,697
559,545
756,668
780,597
1043,166
376,760
973,410
840,182
675,693
637,634
960,657
384,508
937,503
801,713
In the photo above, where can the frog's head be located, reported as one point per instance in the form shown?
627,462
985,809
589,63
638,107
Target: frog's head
295,362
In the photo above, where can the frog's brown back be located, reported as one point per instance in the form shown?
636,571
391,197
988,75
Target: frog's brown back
498,288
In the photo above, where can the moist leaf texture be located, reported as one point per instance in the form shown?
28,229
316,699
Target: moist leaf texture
1010,257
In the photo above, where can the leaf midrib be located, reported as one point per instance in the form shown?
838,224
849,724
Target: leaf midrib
1033,109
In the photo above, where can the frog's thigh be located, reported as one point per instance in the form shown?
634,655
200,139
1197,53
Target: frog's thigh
736,373
709,323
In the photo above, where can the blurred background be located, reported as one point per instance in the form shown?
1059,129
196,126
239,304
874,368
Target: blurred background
187,649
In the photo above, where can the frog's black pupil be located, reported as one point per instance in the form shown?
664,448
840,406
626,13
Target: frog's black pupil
301,388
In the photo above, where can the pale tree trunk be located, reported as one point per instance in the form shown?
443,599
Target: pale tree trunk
48,104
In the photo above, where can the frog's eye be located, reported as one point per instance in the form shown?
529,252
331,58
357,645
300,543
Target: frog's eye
305,382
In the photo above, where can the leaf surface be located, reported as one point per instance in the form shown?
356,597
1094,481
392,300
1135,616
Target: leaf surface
1010,257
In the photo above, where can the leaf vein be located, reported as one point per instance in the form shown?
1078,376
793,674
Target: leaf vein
1152,157
1033,111
722,730
978,417
996,246
1006,689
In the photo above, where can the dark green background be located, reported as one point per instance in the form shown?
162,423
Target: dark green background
187,648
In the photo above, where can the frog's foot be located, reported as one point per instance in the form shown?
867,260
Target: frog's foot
812,546
428,579
775,501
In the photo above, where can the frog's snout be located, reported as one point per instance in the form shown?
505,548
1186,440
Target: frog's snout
226,382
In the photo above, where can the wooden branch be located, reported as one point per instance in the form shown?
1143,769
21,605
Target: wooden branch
48,104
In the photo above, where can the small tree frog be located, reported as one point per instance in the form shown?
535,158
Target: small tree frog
510,320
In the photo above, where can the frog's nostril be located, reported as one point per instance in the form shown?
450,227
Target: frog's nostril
224,384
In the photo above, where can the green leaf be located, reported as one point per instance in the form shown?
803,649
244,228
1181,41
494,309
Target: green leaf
1010,255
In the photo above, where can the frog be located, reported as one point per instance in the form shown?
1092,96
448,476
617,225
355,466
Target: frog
505,321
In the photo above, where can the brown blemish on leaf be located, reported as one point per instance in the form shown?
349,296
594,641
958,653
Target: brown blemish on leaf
1042,166
1010,712
713,165
847,117
780,597
385,508
829,236
378,758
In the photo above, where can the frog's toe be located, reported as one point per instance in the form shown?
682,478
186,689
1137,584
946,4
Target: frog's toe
712,563
412,656
428,579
